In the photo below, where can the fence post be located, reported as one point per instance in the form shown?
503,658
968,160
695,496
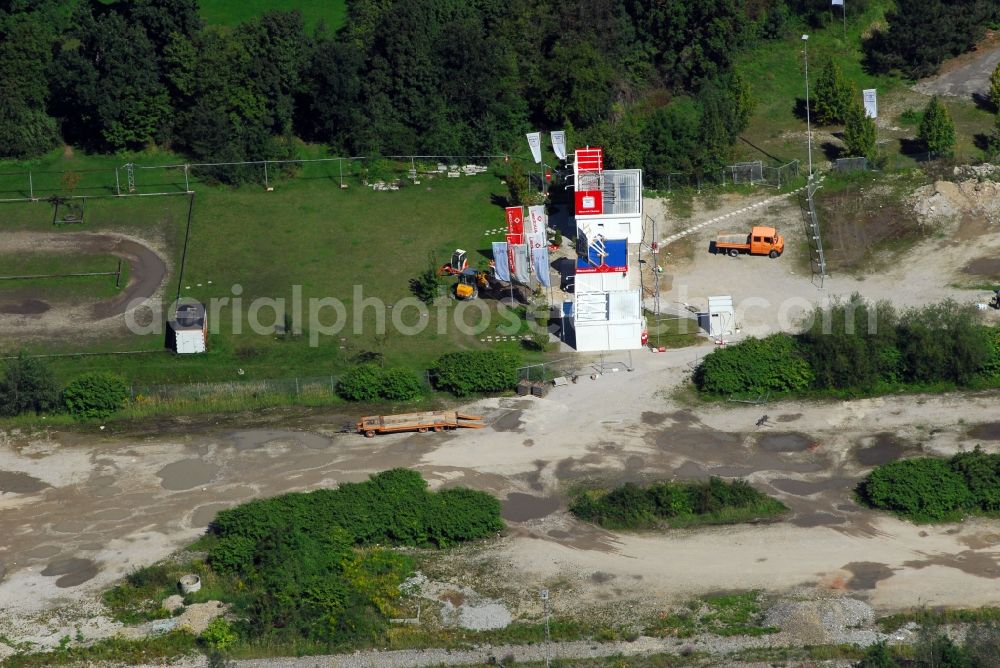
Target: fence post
118,184
296,386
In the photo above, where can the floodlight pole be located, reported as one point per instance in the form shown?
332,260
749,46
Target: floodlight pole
805,46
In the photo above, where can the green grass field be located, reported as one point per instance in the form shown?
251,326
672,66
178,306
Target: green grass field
308,232
71,288
231,12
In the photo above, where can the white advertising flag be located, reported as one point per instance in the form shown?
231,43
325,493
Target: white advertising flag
559,144
535,143
536,240
871,102
536,219
540,262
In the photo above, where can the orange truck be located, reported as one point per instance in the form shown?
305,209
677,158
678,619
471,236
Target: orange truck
760,241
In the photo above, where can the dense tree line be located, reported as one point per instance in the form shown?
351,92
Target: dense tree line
653,82
921,34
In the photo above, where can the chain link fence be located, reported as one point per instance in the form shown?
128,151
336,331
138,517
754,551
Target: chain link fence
291,387
741,173
130,179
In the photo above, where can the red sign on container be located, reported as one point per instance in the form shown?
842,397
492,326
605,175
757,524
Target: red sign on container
589,202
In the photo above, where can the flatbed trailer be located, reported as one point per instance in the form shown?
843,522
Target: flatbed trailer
421,422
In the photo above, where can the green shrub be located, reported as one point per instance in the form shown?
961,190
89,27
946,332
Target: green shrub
303,579
469,372
712,501
95,395
232,554
369,382
27,385
362,383
399,385
773,364
218,635
921,489
981,473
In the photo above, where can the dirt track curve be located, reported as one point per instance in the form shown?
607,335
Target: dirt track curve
147,270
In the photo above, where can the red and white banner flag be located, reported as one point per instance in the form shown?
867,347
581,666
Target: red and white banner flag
536,240
515,220
536,219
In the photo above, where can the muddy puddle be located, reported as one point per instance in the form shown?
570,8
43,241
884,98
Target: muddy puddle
73,571
26,307
186,474
653,419
15,482
885,448
509,421
791,441
866,574
260,438
519,507
987,432
984,266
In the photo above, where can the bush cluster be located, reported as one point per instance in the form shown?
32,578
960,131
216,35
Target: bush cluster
370,382
28,385
95,395
633,507
928,489
859,347
773,364
295,552
392,508
472,371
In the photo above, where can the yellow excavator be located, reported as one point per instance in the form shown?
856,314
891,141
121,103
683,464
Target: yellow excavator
473,283
470,282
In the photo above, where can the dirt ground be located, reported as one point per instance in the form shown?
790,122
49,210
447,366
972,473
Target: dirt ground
26,315
78,511
959,249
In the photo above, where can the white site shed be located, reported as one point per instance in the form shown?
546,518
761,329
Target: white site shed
187,331
721,316
608,321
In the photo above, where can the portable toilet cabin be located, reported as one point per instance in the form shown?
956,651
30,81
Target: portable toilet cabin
721,316
187,331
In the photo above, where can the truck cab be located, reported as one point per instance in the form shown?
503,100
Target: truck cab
766,241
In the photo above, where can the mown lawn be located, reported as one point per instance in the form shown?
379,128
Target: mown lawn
65,287
350,244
